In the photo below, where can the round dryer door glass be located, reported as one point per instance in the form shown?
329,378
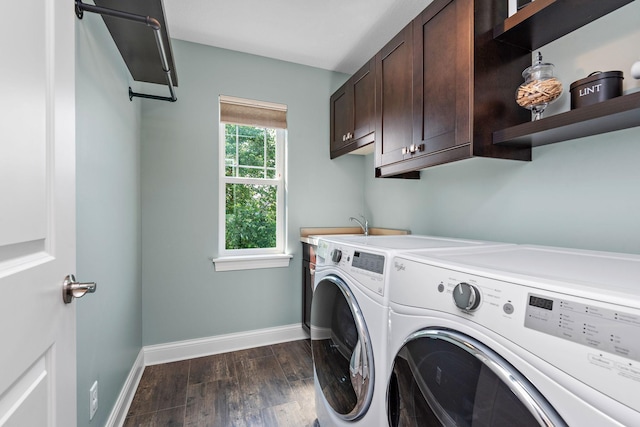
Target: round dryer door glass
342,354
445,378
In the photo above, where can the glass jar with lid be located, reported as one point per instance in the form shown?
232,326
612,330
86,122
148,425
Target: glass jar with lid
540,87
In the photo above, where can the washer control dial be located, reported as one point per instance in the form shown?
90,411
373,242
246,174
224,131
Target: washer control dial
466,296
336,255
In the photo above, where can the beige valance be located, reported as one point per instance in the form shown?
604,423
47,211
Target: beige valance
248,112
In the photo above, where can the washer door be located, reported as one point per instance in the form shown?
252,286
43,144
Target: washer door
445,378
342,353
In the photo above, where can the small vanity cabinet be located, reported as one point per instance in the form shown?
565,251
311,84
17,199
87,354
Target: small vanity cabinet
308,275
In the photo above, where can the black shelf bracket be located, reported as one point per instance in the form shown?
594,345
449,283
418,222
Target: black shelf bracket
141,19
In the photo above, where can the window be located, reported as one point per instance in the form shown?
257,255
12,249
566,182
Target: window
252,181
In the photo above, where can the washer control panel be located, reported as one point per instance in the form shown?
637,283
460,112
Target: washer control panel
593,340
589,324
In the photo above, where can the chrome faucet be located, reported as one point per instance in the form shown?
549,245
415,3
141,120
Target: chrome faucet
365,226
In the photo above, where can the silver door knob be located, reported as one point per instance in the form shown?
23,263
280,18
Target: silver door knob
72,289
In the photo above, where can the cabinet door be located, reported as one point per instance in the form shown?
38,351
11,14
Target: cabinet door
341,118
394,87
364,102
353,112
442,79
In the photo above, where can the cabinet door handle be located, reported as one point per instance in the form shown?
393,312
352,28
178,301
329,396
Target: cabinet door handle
413,148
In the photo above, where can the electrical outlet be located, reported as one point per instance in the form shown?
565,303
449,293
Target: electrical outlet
93,399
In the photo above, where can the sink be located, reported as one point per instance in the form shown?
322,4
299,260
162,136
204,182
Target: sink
310,234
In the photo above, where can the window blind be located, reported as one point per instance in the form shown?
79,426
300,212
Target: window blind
248,112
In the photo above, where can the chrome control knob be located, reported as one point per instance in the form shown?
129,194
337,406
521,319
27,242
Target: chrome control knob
466,296
336,255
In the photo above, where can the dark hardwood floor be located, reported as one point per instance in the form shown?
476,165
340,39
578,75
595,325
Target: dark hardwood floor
269,386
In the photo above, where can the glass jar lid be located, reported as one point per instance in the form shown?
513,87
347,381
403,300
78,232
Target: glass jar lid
539,70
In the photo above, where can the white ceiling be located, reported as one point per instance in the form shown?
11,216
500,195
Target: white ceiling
338,35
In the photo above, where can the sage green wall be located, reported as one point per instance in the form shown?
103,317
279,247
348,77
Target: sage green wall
183,296
583,193
109,322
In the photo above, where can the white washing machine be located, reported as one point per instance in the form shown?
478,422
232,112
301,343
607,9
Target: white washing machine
519,335
349,323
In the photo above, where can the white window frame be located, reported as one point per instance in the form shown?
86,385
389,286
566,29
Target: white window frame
241,259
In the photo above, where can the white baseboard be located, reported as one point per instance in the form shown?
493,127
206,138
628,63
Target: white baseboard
182,350
120,409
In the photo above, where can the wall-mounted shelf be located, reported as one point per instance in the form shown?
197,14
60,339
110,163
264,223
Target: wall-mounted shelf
544,21
617,113
139,30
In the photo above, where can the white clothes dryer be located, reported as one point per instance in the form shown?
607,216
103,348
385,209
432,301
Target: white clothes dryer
349,323
519,335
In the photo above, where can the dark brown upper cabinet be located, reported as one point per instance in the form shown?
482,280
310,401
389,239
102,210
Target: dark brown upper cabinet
445,87
461,87
353,113
394,101
442,66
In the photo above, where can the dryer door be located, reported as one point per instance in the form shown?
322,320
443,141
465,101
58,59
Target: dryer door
342,353
442,377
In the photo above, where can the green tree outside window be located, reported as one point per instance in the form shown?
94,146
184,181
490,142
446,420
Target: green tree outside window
251,208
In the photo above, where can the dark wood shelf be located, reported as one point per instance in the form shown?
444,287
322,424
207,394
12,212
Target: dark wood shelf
617,113
544,21
137,43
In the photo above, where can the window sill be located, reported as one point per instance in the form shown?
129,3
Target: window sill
251,262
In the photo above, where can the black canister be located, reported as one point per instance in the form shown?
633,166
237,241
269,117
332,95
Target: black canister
596,87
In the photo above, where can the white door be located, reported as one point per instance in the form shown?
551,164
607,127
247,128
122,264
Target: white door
37,213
